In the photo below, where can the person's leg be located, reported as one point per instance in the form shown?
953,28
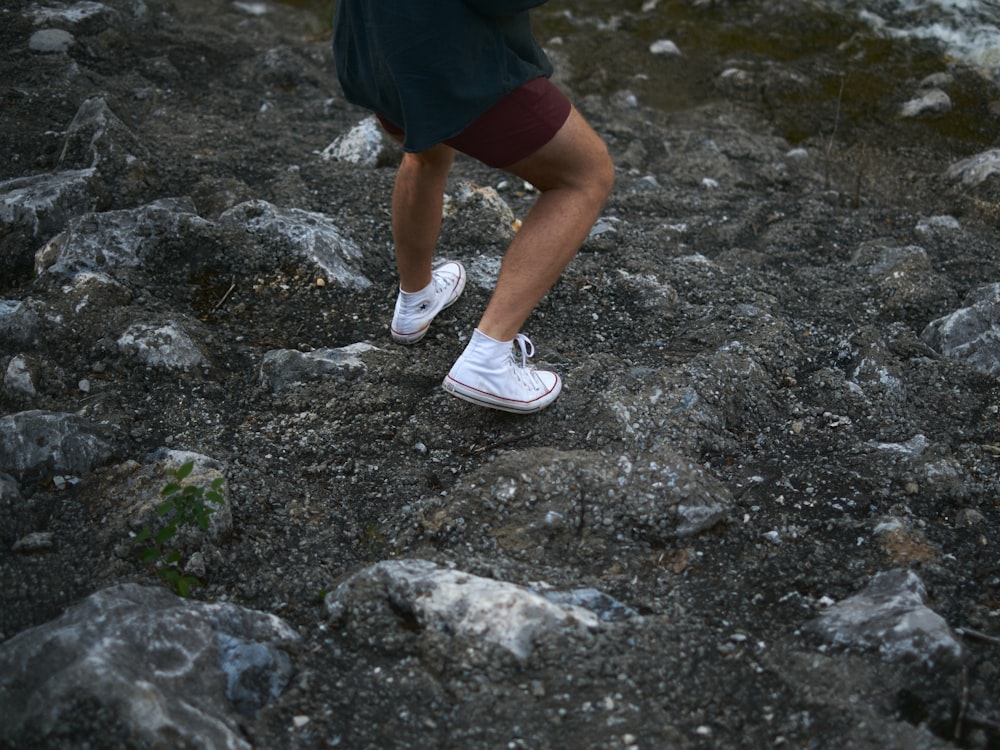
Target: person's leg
417,200
574,175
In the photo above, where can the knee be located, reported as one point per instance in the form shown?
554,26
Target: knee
596,173
603,173
434,160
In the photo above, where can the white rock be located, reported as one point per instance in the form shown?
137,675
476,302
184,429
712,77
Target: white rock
664,47
976,169
310,234
912,448
44,202
50,41
116,239
67,14
18,378
172,672
937,80
937,225
461,604
970,333
165,345
891,616
930,102
252,9
282,368
32,442
362,144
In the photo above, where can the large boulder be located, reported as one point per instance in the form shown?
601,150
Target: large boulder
164,671
36,442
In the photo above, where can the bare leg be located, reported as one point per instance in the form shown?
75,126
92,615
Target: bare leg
417,200
574,174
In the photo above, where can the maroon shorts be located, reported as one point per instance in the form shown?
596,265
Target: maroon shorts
513,128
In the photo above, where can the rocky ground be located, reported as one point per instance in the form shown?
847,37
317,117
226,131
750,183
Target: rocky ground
764,512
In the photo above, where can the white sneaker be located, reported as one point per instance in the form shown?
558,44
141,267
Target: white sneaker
488,374
415,310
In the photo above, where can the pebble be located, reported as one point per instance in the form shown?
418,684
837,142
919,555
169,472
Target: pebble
38,541
664,47
51,41
931,102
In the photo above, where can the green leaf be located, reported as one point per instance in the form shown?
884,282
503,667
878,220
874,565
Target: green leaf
165,534
169,574
185,584
170,489
150,556
143,535
184,470
217,483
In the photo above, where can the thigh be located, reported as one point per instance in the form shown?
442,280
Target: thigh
515,127
575,157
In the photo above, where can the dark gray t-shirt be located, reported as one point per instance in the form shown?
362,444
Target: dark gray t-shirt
432,67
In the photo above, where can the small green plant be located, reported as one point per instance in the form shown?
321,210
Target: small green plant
183,506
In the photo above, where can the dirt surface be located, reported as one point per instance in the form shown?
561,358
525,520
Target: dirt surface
731,267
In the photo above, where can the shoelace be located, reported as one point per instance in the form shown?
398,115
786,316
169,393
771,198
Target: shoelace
439,285
526,375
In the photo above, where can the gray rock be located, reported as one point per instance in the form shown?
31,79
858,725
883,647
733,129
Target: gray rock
970,333
607,608
891,616
165,345
308,234
43,203
36,442
71,14
285,367
882,258
624,99
476,215
19,378
50,41
976,169
664,47
483,271
366,144
937,80
37,541
252,9
117,239
937,226
458,604
97,137
173,672
133,491
930,102
902,274
912,449
10,493
20,322
545,504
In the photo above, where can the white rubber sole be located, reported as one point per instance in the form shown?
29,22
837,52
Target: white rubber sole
492,401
